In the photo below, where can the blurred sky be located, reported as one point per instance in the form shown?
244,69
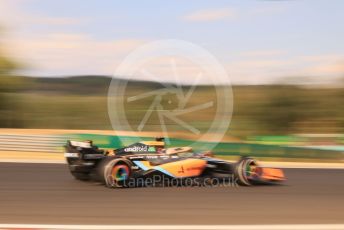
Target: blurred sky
257,41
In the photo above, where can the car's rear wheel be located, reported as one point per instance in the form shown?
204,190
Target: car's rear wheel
115,172
245,170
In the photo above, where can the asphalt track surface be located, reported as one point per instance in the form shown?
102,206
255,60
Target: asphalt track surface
47,194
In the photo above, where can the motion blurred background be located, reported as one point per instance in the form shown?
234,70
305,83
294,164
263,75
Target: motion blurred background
285,60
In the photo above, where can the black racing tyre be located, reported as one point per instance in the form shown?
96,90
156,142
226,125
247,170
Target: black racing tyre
114,172
243,169
81,176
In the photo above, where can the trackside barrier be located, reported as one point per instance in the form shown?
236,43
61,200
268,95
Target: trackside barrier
32,143
55,143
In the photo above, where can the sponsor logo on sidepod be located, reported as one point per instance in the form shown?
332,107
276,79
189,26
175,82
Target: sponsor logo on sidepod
136,149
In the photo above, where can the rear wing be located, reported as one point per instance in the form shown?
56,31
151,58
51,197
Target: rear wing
83,149
81,144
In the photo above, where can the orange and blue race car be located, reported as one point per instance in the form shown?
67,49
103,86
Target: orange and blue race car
149,163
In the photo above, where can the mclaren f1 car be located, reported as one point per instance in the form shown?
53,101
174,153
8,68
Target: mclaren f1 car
151,159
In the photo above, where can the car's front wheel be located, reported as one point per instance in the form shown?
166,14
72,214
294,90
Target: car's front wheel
245,170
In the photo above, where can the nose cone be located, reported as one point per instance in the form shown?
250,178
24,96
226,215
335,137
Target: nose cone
272,174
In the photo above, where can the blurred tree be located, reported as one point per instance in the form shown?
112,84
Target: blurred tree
284,107
341,105
9,84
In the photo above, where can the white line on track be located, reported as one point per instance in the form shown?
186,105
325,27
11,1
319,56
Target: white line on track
175,227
